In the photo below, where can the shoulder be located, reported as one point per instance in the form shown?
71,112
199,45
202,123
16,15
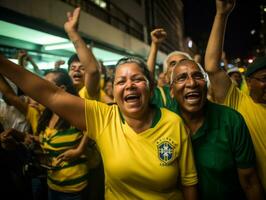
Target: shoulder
223,112
170,115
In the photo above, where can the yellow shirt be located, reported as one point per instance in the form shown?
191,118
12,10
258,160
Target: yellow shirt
69,176
254,115
33,116
83,93
147,165
244,86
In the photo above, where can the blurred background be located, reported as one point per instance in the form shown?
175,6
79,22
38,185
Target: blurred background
116,28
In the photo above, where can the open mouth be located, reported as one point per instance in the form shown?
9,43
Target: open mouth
77,76
193,97
132,98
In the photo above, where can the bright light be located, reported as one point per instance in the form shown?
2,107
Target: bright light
111,62
250,60
190,43
65,45
253,31
241,69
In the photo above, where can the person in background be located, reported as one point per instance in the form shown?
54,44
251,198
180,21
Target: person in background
235,76
24,58
162,96
58,64
161,80
253,106
12,116
108,88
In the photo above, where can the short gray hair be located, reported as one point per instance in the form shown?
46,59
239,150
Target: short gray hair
172,54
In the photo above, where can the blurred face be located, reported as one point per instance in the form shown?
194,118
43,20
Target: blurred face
77,74
131,90
189,87
109,89
161,80
235,76
171,62
257,86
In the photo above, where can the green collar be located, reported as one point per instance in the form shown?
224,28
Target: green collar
155,119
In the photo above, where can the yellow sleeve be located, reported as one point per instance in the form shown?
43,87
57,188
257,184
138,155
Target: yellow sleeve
83,93
187,166
234,97
33,116
97,116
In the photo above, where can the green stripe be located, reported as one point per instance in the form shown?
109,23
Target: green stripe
56,153
64,144
70,131
71,164
157,117
69,182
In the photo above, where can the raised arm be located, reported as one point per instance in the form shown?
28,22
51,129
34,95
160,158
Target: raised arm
220,82
35,66
157,37
65,105
12,98
86,57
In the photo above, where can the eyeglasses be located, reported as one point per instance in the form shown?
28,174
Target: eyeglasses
182,78
261,79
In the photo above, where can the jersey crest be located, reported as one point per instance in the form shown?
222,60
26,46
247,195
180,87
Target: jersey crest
165,151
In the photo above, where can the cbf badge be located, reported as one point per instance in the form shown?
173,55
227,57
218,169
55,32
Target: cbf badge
165,151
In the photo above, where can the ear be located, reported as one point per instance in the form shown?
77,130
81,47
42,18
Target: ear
63,87
172,91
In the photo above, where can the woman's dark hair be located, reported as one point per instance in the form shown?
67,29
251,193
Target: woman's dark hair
62,79
141,63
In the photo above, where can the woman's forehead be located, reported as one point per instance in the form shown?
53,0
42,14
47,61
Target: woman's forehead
128,68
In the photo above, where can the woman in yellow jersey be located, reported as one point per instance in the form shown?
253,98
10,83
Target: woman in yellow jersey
67,179
146,151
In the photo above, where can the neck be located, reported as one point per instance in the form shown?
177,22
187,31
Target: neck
142,122
193,120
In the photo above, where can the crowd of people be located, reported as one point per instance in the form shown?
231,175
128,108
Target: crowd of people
195,132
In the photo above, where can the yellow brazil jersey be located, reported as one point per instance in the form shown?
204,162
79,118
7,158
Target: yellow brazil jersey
33,116
83,93
68,176
254,115
148,165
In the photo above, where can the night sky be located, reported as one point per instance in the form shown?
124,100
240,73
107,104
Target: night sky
198,18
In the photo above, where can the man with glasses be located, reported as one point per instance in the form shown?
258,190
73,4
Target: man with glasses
252,106
223,150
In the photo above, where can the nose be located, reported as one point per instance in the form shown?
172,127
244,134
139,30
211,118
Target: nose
130,84
191,82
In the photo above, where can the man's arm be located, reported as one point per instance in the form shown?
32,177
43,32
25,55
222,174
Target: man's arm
250,183
87,59
220,82
190,192
157,37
